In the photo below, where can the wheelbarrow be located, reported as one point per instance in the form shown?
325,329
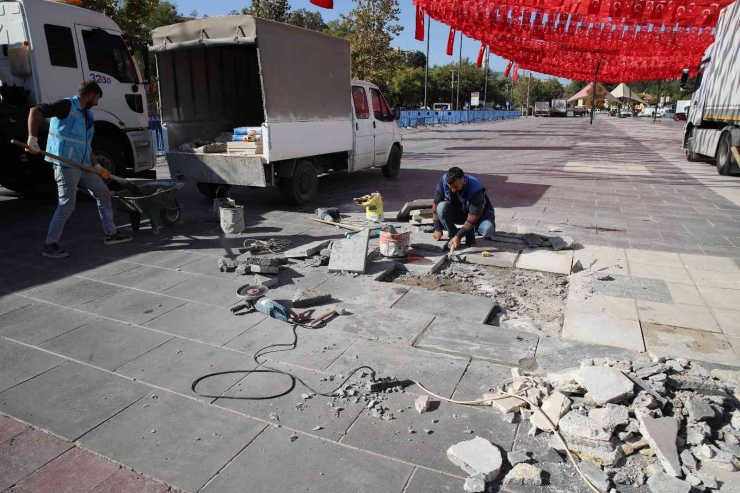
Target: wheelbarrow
158,200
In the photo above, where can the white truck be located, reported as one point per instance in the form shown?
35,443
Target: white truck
294,84
712,130
48,48
559,107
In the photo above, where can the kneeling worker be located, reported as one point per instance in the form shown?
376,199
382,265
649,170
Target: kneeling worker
462,199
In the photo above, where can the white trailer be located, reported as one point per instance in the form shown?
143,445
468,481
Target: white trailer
48,48
712,129
219,73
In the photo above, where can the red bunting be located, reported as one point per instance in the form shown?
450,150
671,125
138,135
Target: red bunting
515,76
481,53
508,69
419,35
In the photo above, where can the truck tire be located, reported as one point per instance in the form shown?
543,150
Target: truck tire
725,158
393,166
691,156
213,190
301,187
110,155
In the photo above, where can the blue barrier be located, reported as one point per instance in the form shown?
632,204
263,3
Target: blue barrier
419,118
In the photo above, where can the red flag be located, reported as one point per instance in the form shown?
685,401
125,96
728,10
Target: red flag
419,24
451,41
481,52
515,76
508,69
325,4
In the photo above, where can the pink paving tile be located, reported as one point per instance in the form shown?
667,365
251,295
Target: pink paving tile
16,489
73,472
127,481
10,427
24,453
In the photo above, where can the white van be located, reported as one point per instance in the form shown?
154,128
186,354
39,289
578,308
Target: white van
48,48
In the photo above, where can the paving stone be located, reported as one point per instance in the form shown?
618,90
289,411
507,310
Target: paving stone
676,342
605,384
727,280
654,258
426,481
11,302
669,274
685,294
698,409
291,409
425,264
308,249
594,473
488,342
703,262
169,259
315,348
73,471
358,291
686,316
546,261
350,255
401,361
148,278
106,343
27,452
661,482
428,450
316,466
495,259
605,306
127,481
15,278
661,434
461,307
19,363
595,329
205,323
71,399
40,322
728,320
101,268
550,352
720,297
218,292
633,287
177,363
602,259
582,426
71,291
10,427
193,441
132,306
377,322
477,379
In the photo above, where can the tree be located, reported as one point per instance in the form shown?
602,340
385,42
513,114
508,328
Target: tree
274,10
407,87
573,87
600,99
164,14
373,25
339,28
552,89
415,59
307,20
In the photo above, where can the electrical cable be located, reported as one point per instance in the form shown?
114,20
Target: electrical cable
272,245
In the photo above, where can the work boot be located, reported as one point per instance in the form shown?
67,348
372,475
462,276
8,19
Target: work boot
53,251
470,240
116,238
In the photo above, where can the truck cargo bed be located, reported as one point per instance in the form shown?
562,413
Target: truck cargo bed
228,169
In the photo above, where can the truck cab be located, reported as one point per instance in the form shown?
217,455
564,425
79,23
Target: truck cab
375,128
48,48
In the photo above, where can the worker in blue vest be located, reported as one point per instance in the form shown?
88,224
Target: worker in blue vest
70,135
462,199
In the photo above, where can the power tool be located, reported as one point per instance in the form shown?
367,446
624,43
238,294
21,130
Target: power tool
254,299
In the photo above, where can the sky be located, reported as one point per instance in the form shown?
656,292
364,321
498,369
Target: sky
405,41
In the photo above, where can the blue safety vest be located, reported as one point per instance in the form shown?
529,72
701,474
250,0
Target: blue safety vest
472,186
70,137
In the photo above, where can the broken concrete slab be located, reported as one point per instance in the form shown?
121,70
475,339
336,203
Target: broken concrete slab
698,409
350,255
518,457
475,483
504,259
310,297
564,243
533,239
307,250
554,407
661,434
577,424
524,474
545,260
504,403
596,451
422,404
594,474
661,482
263,269
606,384
418,204
477,456
611,416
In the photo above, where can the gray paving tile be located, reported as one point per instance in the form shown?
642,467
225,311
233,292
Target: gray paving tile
637,288
316,466
403,362
71,291
205,323
291,409
132,306
426,481
177,440
481,377
480,341
11,302
440,303
699,345
149,278
206,266
19,363
70,399
391,438
26,453
315,348
377,322
292,279
106,343
40,322
15,278
550,351
665,247
177,363
218,292
346,289
105,267
170,259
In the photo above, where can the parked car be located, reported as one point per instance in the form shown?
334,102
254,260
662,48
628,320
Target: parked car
679,116
625,113
668,114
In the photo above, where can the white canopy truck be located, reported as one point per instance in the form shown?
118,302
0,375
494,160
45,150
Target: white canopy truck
559,107
293,84
48,48
713,125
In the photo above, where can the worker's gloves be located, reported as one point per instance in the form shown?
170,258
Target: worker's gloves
104,174
33,145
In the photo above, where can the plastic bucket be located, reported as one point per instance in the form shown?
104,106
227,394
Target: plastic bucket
394,245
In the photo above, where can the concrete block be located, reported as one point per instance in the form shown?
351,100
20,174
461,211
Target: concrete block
307,250
350,255
605,384
408,207
310,297
495,259
661,434
661,482
554,407
595,329
698,409
524,474
546,261
477,456
582,426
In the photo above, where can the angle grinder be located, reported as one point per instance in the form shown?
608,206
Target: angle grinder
254,299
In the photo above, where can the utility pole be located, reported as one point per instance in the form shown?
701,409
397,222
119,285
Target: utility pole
593,91
528,79
485,88
452,90
459,73
657,102
426,69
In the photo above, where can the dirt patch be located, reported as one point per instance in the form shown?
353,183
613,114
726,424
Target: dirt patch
527,300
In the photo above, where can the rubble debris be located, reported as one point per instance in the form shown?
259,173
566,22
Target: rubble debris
266,281
661,482
561,243
707,480
243,269
261,260
611,416
594,474
554,407
605,384
263,269
661,435
504,403
518,457
509,418
577,267
605,453
477,456
524,474
698,409
475,483
225,265
350,255
307,250
309,297
532,239
577,424
422,404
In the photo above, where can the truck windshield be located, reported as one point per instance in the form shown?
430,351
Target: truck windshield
108,54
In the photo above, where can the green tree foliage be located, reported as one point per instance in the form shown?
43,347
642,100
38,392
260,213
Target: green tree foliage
339,28
600,98
414,59
572,88
138,18
274,10
307,20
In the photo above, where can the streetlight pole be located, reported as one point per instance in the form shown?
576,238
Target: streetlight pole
426,69
528,80
452,90
459,73
485,88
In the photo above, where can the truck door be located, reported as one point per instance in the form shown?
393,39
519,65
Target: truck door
383,124
364,134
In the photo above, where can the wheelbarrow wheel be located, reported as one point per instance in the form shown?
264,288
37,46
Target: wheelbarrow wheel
170,216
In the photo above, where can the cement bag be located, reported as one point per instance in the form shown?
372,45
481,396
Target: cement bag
232,219
373,204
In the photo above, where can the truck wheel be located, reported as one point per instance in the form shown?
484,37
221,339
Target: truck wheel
169,217
110,155
213,190
691,156
724,154
394,163
302,186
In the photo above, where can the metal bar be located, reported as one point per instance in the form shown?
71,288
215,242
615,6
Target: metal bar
459,72
593,91
426,69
